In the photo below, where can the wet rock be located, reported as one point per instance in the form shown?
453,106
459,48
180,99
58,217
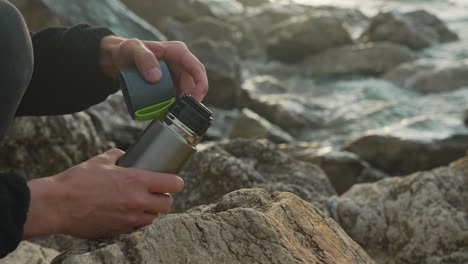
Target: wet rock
28,253
241,163
112,119
362,59
297,38
417,29
263,85
184,10
221,61
421,218
253,2
252,126
204,27
222,123
430,75
465,118
245,226
344,169
292,113
108,13
43,146
396,152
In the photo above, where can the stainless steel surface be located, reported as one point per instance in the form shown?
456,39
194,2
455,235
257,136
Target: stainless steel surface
180,129
161,148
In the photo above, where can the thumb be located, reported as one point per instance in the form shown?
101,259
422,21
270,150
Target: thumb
113,155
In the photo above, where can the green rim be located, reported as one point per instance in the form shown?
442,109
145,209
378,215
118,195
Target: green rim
156,111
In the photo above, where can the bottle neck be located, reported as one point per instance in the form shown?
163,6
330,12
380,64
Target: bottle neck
181,130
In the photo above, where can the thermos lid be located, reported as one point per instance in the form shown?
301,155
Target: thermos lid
192,114
146,100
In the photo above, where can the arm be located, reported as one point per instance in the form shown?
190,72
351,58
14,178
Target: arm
67,74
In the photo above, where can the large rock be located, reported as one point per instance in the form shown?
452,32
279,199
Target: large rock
397,153
222,124
43,146
241,163
222,67
297,38
246,226
184,10
344,169
30,253
417,29
292,113
112,120
108,13
251,125
203,27
421,218
430,75
362,59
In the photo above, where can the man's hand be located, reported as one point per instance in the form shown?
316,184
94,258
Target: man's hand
188,73
98,199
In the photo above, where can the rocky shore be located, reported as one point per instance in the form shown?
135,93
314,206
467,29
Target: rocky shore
340,136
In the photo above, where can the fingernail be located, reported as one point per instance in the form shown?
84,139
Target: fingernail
154,74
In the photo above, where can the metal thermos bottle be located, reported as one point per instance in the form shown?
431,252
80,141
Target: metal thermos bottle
177,127
167,144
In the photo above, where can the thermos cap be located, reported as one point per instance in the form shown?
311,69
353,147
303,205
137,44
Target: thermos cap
146,100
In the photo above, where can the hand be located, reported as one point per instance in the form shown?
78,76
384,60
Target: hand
187,72
98,199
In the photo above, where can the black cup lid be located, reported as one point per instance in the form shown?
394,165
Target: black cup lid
192,113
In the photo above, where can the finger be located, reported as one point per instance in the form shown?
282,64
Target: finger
155,182
146,219
186,84
158,203
198,73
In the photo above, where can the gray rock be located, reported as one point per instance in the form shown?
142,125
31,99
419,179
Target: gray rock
362,59
297,38
59,243
228,166
417,29
430,75
245,226
252,126
113,120
221,61
108,13
222,124
396,153
43,146
184,10
29,253
344,169
248,3
263,85
292,113
421,218
465,118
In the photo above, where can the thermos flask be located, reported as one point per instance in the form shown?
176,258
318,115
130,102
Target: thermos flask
177,127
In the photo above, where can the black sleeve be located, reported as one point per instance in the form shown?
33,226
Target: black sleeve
67,77
14,201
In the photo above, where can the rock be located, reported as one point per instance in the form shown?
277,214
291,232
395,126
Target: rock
184,10
394,151
203,27
241,163
111,118
418,29
292,113
222,124
222,67
430,75
245,226
263,85
297,38
344,169
59,243
362,59
252,126
247,3
108,13
465,118
29,253
421,218
43,146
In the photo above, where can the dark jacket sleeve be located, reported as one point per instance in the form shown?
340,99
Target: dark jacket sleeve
67,77
14,201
